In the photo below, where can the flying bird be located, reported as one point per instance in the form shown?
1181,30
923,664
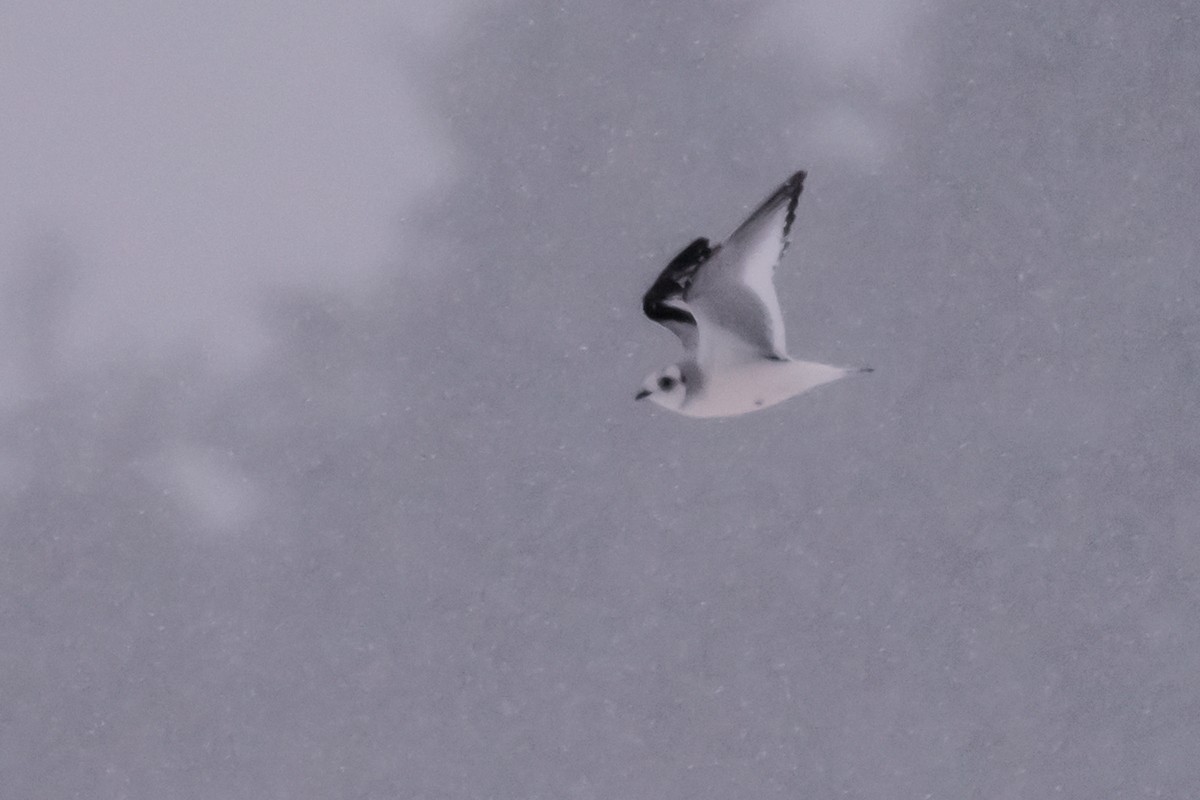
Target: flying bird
720,301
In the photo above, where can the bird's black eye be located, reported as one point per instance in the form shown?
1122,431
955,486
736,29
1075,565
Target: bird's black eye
666,383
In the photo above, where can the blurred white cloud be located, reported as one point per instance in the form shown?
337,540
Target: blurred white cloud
207,484
195,153
848,135
863,52
863,36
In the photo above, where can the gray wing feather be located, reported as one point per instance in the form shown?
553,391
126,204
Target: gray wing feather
735,289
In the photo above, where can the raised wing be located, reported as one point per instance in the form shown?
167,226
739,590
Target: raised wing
735,292
664,302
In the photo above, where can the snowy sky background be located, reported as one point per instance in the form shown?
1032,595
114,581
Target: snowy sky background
320,474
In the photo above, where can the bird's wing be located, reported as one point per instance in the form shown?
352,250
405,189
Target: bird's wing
732,295
664,300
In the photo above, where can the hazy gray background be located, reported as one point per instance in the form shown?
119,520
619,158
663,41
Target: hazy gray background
320,470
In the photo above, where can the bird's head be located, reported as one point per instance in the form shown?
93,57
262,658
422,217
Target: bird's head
667,388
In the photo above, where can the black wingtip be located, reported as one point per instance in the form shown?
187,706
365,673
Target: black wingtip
673,282
791,188
690,257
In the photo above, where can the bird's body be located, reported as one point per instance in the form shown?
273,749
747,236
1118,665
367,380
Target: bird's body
753,386
721,303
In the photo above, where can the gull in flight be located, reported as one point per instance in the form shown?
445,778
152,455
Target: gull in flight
720,301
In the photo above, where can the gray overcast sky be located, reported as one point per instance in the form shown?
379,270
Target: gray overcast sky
320,474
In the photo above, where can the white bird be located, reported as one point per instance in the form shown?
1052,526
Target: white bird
720,301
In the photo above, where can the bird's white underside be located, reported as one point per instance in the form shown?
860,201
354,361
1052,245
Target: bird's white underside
754,385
